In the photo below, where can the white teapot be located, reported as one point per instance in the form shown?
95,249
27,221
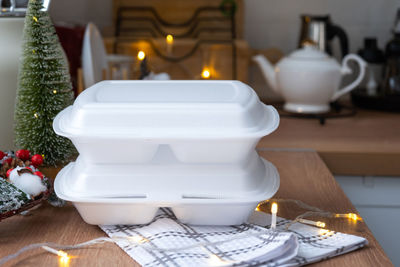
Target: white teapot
308,79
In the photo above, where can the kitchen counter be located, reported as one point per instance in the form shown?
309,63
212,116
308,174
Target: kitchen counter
304,176
365,144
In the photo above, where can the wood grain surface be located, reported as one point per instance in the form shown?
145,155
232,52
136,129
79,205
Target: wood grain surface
304,176
366,144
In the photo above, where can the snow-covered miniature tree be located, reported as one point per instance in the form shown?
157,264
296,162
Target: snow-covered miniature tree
44,88
11,198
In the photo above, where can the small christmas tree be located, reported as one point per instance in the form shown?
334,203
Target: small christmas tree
44,88
11,198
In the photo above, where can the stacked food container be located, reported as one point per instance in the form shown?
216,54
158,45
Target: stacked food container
187,145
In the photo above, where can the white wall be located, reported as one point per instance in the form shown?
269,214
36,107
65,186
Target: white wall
10,42
82,11
277,23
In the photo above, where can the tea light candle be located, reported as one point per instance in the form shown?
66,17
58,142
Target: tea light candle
274,211
143,64
170,42
141,55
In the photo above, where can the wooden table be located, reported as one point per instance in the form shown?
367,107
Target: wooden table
366,144
303,176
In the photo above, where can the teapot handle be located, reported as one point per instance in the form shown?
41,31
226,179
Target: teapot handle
347,70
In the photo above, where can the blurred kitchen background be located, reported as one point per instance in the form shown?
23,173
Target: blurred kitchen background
269,27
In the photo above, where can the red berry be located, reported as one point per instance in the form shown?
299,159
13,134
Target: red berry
23,154
2,154
37,160
8,172
8,160
38,173
29,168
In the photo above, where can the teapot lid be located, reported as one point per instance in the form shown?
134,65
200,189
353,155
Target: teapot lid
309,52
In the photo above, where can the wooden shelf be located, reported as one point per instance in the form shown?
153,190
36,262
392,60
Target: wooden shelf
366,144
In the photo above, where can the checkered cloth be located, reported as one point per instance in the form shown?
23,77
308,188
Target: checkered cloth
167,242
315,244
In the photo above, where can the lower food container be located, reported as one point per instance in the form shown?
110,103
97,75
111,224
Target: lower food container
206,207
151,180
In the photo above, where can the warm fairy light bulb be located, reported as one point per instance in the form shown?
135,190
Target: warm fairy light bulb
309,222
206,74
214,260
170,39
54,91
36,115
351,216
325,232
137,239
64,258
141,55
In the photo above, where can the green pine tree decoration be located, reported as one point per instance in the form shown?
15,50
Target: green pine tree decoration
44,88
11,198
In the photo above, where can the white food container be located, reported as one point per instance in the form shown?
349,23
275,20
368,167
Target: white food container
200,121
187,145
210,199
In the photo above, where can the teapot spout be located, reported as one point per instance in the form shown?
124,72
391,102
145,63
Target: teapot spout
267,69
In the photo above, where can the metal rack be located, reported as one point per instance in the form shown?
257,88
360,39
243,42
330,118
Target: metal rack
192,28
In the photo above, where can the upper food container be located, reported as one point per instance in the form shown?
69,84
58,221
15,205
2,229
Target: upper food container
200,121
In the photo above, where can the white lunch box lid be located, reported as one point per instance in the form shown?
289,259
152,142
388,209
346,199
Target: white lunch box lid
181,109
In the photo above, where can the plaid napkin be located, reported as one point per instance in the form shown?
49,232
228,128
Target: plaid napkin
162,240
167,242
315,244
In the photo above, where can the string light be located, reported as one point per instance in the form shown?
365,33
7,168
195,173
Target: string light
141,55
312,211
205,73
137,239
351,216
214,260
309,222
54,91
36,115
64,258
33,51
325,232
35,19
